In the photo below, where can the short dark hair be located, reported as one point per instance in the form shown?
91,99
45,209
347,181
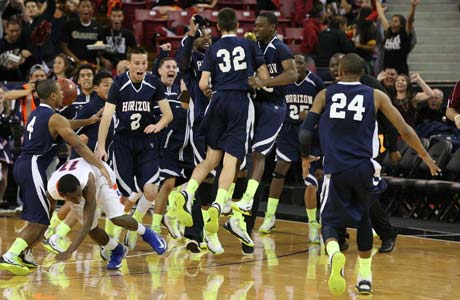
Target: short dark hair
45,88
81,2
67,184
226,19
165,60
83,67
136,50
117,8
271,18
352,64
99,76
27,1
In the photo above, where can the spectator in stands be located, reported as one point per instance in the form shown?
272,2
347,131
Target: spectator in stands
37,30
405,100
14,10
388,78
397,38
80,33
453,105
6,157
431,110
14,55
62,67
122,66
312,25
332,40
365,38
334,65
119,39
303,9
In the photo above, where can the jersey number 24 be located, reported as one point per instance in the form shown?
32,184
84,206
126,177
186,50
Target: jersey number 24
339,107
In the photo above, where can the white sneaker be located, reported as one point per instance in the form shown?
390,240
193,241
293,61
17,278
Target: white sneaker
313,235
244,206
364,285
131,239
227,209
239,231
172,225
268,224
213,243
55,244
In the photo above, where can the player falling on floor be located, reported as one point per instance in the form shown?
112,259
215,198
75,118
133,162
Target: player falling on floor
299,98
41,139
132,98
228,120
346,115
82,185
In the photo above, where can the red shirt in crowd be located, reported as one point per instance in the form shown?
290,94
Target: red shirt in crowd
454,98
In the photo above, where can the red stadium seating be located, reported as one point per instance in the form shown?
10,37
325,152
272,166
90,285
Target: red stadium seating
129,6
293,35
151,23
179,20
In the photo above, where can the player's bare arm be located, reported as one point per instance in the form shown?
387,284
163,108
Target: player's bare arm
166,118
262,76
383,103
288,76
59,125
89,194
204,83
104,125
76,124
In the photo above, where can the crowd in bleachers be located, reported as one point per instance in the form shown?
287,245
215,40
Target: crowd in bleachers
55,38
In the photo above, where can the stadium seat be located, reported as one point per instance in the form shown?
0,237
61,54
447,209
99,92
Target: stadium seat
293,35
387,165
129,7
283,22
295,49
179,20
452,170
440,152
151,22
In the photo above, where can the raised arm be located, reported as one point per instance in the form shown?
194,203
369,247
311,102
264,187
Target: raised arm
383,103
411,15
381,14
426,93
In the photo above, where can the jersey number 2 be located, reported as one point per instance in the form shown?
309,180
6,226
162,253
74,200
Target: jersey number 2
236,58
135,121
338,110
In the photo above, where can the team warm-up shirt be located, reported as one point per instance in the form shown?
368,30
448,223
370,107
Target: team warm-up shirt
299,96
231,60
135,102
275,53
349,111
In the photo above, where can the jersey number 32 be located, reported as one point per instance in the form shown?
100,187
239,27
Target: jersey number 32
235,59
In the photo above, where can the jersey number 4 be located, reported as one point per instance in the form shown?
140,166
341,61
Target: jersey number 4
236,59
339,107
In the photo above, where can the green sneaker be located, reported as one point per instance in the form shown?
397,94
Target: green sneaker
336,282
14,265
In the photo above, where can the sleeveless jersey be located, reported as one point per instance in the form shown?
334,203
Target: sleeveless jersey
348,129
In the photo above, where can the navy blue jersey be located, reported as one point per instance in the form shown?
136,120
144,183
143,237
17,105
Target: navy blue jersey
299,96
172,95
71,111
190,63
91,131
135,102
348,127
275,53
37,138
231,61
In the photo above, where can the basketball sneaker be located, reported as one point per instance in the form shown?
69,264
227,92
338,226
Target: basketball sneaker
105,253
364,286
244,206
131,239
227,209
156,241
184,208
247,250
49,232
238,230
193,246
336,282
212,225
13,265
268,224
214,245
313,235
116,257
172,226
27,259
54,244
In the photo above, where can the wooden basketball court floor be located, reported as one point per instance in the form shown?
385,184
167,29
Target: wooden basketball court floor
284,266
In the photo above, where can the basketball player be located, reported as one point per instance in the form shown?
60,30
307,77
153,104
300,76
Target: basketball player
299,98
346,114
80,184
270,110
228,120
41,139
132,98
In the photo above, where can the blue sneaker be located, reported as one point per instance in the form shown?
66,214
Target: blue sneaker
155,240
117,256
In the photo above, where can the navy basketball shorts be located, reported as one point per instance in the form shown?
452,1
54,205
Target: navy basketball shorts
30,174
347,195
269,121
198,143
6,155
228,122
287,144
135,156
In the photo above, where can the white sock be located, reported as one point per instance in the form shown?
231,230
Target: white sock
140,228
143,206
112,244
135,196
